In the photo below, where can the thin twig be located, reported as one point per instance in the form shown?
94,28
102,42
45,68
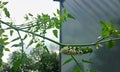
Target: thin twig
28,27
16,28
76,62
91,44
22,46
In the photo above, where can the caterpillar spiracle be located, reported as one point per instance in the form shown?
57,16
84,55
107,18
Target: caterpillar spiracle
70,50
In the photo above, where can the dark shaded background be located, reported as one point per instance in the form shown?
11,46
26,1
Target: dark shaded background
86,29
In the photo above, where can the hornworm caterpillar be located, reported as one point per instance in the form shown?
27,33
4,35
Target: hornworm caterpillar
75,50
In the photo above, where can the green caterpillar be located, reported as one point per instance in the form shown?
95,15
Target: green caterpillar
76,50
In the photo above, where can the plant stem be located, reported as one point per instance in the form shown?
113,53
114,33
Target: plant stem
76,62
90,44
16,28
22,47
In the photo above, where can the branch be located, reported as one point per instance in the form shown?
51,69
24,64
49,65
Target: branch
76,61
28,27
22,46
16,28
90,44
21,40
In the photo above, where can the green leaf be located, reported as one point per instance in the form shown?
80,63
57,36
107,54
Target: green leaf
55,32
38,45
58,11
67,61
111,43
1,41
30,14
26,17
30,43
118,33
70,16
105,33
15,39
63,18
77,70
104,24
16,64
112,28
39,17
111,24
57,25
0,62
64,11
11,32
1,49
92,70
1,31
5,3
6,12
25,37
54,14
5,35
5,39
45,47
106,30
86,61
6,43
17,45
6,49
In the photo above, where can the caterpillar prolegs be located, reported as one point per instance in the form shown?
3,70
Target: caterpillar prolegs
76,50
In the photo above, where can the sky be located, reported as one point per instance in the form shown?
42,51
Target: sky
18,9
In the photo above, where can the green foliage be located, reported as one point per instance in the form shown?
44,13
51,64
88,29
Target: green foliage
30,14
105,30
86,61
111,43
45,47
15,39
25,37
68,60
38,45
1,53
43,62
77,70
3,43
30,43
6,49
108,29
49,62
16,64
0,62
58,11
1,31
109,32
11,32
55,32
2,4
26,17
91,70
6,12
70,16
17,45
5,3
